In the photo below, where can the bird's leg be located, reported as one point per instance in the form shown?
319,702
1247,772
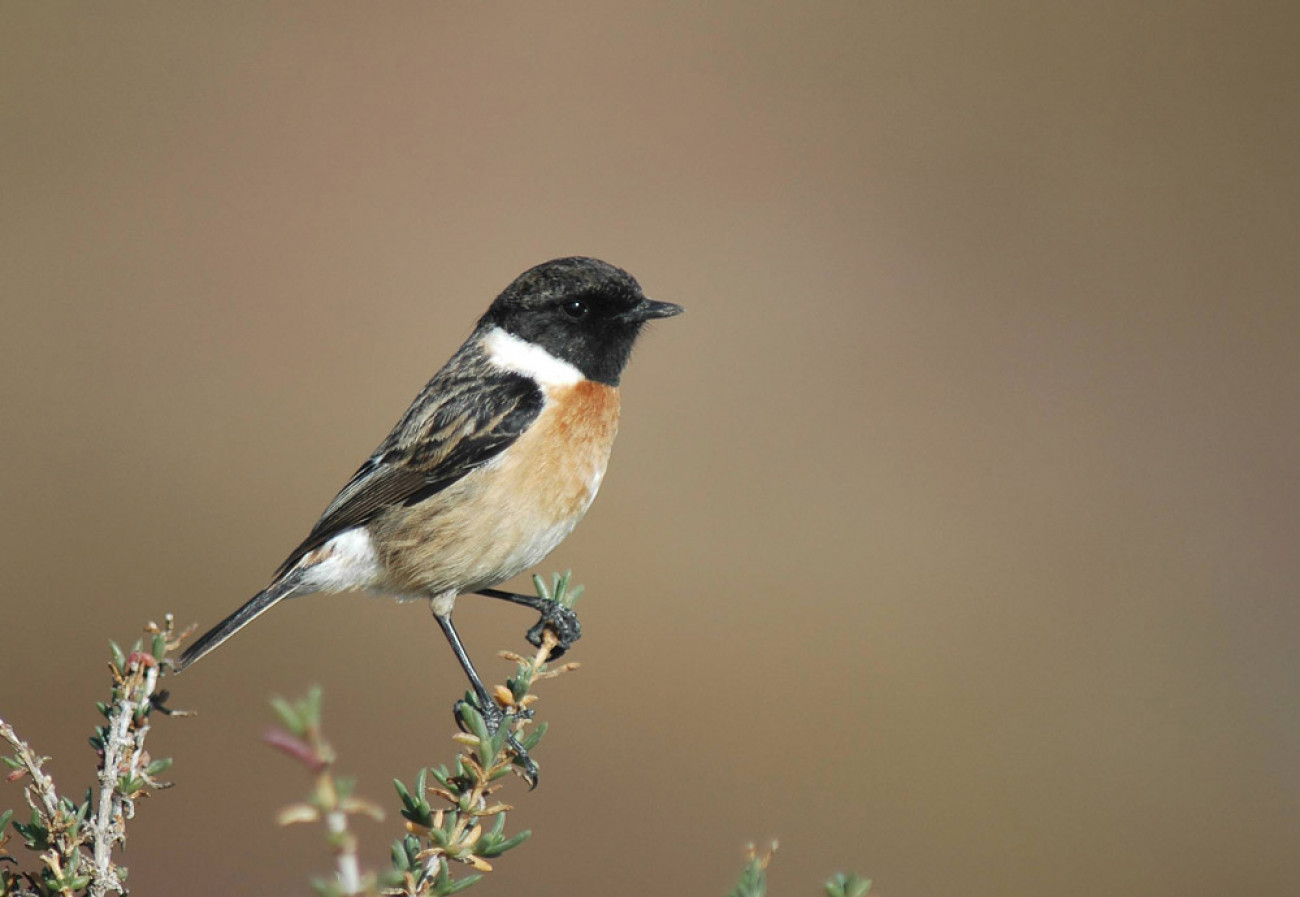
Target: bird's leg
493,716
561,620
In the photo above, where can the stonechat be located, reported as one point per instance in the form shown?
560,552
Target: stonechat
491,466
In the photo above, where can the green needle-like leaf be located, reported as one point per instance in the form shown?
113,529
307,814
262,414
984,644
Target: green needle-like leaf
847,886
508,844
288,715
458,886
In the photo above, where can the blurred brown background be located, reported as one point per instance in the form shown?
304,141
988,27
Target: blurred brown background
951,536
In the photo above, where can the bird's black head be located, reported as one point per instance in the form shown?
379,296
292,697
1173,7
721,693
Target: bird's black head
581,310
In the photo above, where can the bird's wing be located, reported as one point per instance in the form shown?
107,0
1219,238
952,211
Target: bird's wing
468,414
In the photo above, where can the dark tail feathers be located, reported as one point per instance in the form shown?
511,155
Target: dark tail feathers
256,606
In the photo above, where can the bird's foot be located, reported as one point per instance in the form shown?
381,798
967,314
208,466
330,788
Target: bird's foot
495,720
561,619
562,622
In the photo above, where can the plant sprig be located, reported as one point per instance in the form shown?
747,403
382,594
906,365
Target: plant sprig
331,801
455,824
753,878
75,841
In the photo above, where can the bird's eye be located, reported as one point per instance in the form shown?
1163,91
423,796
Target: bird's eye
575,309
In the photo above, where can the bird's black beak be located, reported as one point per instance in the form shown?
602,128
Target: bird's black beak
648,309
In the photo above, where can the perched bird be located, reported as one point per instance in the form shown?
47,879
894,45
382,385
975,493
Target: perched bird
494,463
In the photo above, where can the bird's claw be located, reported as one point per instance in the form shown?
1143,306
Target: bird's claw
493,720
563,623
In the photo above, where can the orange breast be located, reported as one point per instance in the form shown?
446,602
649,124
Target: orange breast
509,514
567,448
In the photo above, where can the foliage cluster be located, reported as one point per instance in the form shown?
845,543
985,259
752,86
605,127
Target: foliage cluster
454,822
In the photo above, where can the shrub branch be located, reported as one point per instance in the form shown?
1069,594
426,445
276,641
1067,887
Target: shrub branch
453,819
75,842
